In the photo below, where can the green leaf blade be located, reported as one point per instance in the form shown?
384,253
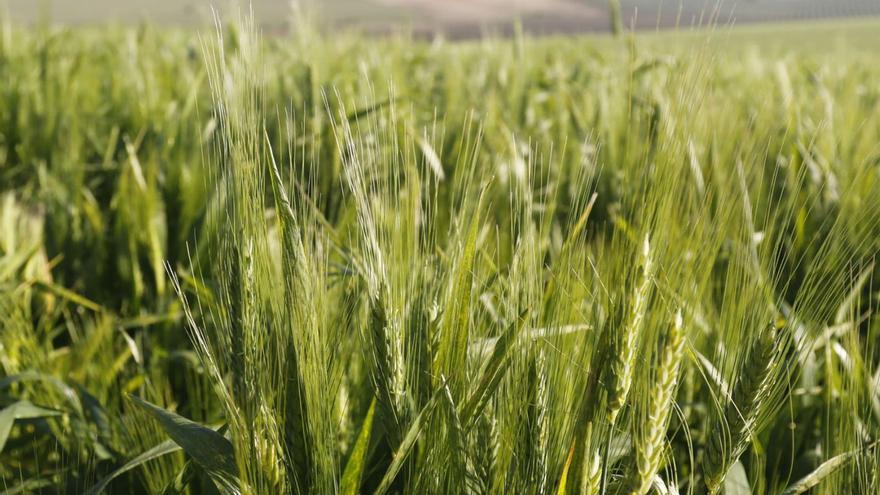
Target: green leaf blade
208,448
354,468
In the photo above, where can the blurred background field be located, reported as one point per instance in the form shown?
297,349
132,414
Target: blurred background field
456,18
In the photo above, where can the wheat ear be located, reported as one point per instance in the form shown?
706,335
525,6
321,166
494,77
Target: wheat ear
649,441
625,344
742,411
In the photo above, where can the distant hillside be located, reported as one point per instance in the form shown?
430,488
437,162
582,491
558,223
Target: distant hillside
460,18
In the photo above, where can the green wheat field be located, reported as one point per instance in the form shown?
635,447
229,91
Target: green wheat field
322,262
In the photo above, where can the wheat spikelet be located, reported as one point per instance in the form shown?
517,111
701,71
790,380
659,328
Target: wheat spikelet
541,419
591,469
742,411
386,360
649,442
625,345
484,442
